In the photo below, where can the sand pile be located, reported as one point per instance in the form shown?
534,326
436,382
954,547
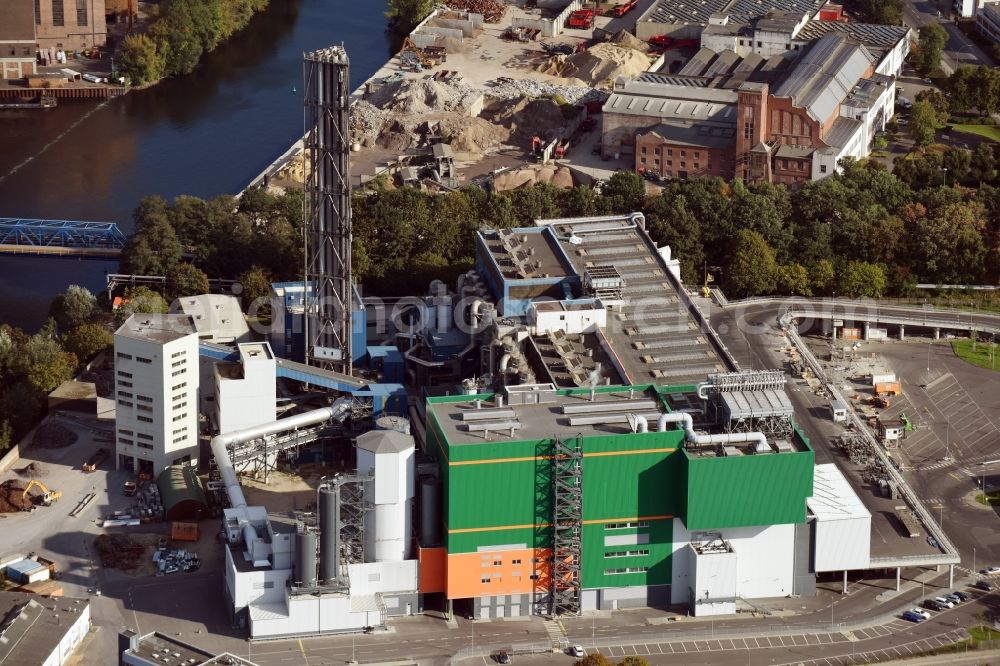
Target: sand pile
424,96
599,65
53,436
11,499
525,118
628,40
473,135
559,176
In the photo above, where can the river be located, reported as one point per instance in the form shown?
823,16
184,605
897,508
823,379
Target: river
204,134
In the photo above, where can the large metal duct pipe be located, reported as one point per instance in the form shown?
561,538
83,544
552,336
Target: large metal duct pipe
338,410
704,440
703,389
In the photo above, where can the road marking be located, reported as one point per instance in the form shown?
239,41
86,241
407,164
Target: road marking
302,650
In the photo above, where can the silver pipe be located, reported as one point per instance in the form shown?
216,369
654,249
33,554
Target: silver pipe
702,440
220,443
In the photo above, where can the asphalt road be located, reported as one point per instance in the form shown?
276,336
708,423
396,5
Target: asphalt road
959,49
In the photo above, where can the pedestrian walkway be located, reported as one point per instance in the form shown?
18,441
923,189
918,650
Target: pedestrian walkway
557,635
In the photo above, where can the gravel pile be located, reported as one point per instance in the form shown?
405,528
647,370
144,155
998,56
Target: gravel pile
533,88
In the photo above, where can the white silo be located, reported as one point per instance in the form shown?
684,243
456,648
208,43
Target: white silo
388,456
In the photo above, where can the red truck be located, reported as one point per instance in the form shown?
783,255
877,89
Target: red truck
624,8
582,18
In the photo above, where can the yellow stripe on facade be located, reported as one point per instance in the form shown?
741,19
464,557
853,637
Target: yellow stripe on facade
467,530
593,454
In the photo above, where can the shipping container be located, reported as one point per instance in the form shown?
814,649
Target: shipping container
888,388
850,333
883,378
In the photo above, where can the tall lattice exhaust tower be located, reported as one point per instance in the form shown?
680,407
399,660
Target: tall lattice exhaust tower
327,219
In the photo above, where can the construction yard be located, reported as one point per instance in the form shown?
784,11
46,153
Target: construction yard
504,98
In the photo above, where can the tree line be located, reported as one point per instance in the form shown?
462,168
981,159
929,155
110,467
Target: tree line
181,32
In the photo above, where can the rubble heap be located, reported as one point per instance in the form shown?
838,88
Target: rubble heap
599,65
492,10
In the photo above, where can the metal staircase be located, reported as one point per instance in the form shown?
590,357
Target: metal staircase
567,527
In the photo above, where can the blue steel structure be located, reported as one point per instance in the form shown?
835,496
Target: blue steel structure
61,233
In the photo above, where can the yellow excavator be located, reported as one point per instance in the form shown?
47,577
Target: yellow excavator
45,499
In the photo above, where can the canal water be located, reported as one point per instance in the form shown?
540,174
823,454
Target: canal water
204,134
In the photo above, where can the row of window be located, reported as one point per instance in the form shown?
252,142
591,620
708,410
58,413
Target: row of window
670,163
144,445
123,355
178,372
486,579
177,353
626,553
178,440
122,382
177,363
670,152
143,359
625,570
144,419
178,386
180,416
627,525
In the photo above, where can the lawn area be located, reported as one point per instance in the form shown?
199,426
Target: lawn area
980,356
984,633
989,499
991,132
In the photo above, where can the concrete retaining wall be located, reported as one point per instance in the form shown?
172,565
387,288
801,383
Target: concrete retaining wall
454,33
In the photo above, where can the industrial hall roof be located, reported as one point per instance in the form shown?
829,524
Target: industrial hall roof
825,75
833,497
155,327
876,38
697,12
30,627
692,134
183,496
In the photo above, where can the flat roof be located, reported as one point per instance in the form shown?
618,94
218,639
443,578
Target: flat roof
833,497
155,646
569,361
546,420
524,253
652,336
738,11
156,327
32,627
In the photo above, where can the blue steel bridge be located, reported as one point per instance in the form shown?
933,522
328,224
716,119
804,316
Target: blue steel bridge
98,240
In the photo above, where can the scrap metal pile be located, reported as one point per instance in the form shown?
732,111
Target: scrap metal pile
172,561
492,10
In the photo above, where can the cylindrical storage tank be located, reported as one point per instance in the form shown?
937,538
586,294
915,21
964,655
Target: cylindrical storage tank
305,558
329,543
397,423
389,456
430,512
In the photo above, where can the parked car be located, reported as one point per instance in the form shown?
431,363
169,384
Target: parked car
933,605
913,617
944,602
502,657
983,585
962,596
920,611
954,598
991,571
577,651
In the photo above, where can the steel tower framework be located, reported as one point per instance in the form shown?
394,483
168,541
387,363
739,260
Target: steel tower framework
327,219
567,527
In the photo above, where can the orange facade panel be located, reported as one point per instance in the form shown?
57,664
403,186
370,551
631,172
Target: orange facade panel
432,568
489,573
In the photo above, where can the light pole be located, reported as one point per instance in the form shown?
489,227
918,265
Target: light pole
944,176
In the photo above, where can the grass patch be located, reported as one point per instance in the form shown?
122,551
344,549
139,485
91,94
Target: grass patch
990,132
984,633
979,356
989,499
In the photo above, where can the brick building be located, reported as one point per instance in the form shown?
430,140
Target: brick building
17,39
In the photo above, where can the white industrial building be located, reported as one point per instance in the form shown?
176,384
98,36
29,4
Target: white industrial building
156,392
34,632
843,525
245,391
971,8
217,317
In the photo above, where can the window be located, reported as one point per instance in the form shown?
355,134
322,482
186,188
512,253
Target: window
124,394
123,431
179,406
125,440
145,408
484,579
81,12
625,570
533,576
497,563
656,151
125,384
180,430
670,162
178,372
642,160
143,435
760,44
683,153
177,418
670,152
143,398
57,13
697,154
123,355
180,396
684,165
697,166
178,440
822,168
643,150
176,354
144,419
122,373
627,553
515,561
124,403
656,162
626,526
177,386
180,362
143,445
143,359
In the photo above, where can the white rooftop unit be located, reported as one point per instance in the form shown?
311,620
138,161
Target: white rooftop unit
843,524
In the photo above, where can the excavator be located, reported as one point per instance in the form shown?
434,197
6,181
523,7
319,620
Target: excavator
45,499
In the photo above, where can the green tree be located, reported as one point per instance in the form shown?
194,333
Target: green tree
142,59
923,122
883,12
986,88
22,404
821,277
860,279
983,162
937,100
930,47
255,289
958,162
793,280
406,14
625,192
670,222
73,307
87,340
633,661
186,280
154,248
948,244
138,300
46,364
753,270
960,87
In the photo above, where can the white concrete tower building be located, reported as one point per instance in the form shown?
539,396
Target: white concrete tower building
388,455
156,392
246,391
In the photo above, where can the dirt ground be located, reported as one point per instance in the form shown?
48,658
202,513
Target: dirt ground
286,491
